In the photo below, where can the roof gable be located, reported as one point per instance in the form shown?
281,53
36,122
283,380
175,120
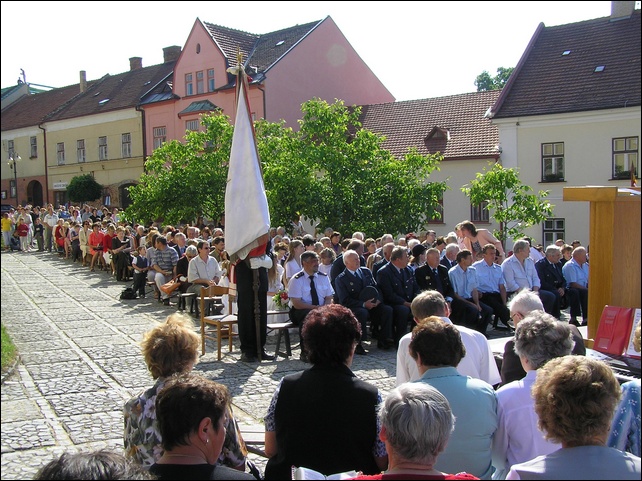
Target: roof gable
453,125
557,73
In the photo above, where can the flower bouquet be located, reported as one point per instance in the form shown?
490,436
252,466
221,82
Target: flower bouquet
281,299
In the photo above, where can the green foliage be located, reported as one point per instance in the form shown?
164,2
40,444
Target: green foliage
484,82
330,170
84,188
185,180
512,204
8,353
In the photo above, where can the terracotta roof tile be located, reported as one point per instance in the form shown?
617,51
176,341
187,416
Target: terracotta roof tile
457,123
549,82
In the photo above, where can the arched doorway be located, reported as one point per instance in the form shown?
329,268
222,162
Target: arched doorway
34,193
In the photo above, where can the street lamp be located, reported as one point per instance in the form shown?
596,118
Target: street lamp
13,158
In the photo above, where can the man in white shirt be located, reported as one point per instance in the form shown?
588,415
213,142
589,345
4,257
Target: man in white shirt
478,362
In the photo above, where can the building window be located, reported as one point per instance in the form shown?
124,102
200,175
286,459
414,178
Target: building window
80,151
210,80
438,211
102,148
625,157
191,125
60,153
160,136
553,162
189,86
10,148
33,141
106,197
553,230
479,212
126,140
12,188
199,82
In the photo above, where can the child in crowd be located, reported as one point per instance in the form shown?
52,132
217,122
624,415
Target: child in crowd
141,266
38,234
23,232
326,257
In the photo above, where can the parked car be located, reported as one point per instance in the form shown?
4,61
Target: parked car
6,208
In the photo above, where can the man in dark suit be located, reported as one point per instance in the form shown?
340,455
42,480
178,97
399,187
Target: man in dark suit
450,256
386,250
549,271
433,276
350,288
338,264
399,288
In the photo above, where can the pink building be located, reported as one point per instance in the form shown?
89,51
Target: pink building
287,67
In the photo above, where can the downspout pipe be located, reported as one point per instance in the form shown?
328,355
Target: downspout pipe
44,133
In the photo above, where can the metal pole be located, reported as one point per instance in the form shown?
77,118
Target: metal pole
257,314
15,176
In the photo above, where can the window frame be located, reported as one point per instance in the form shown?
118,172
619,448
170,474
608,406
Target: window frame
211,84
200,83
60,153
189,85
33,146
81,151
189,125
126,145
556,158
439,208
102,148
159,136
626,153
550,232
479,213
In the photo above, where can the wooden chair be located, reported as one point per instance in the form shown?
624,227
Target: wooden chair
215,327
283,334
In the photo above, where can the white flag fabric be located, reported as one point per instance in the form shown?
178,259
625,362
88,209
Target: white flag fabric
247,218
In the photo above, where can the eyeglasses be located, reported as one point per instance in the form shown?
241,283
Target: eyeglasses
205,247
513,316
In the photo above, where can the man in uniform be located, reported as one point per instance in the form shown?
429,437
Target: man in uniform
308,289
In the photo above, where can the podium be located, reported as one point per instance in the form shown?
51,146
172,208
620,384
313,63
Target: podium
615,247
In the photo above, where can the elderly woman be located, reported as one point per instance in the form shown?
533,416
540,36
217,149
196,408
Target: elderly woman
325,418
121,248
437,348
538,339
170,348
192,414
575,398
416,422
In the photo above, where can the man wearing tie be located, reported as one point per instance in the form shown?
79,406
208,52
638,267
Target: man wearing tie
450,257
552,280
399,288
307,290
350,287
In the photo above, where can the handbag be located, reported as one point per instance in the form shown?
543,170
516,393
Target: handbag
170,286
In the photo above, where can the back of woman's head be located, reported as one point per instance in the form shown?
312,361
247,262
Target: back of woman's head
101,464
418,422
171,347
575,398
183,402
540,337
330,332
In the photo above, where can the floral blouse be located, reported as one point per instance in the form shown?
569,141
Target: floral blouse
625,427
142,438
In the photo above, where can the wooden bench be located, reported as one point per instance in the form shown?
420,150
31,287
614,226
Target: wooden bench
254,437
283,331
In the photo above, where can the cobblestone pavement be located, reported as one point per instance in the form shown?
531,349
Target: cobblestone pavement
80,361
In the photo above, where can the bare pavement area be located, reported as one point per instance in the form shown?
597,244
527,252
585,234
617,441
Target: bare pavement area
80,361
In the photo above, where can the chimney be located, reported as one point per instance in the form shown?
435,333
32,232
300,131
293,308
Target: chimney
171,54
83,81
621,10
135,63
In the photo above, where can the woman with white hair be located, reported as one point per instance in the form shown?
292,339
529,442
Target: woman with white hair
416,422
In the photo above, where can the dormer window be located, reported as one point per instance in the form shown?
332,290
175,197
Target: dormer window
438,133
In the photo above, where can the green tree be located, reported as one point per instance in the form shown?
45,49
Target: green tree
84,188
484,82
183,181
511,203
330,170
